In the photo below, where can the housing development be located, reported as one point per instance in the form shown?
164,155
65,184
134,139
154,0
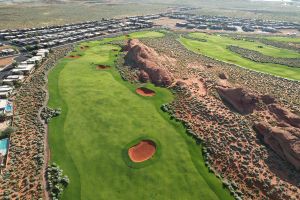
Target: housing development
170,105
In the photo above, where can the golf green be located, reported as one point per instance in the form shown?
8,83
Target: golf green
101,115
216,47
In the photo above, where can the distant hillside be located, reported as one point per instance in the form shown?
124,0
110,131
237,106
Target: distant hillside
33,13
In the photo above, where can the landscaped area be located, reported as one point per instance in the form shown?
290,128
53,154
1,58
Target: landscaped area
102,116
216,46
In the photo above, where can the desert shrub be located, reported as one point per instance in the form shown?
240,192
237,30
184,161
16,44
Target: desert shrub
56,181
259,57
48,113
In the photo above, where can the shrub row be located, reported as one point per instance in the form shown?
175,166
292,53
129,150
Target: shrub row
259,57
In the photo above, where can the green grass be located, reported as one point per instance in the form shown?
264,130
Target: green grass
101,114
284,39
256,46
215,47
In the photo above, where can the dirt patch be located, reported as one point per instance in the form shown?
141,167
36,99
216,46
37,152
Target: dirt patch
142,151
101,67
6,61
167,22
145,92
198,86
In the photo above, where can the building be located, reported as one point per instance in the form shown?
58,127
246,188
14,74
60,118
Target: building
12,79
5,91
24,69
42,53
7,51
34,60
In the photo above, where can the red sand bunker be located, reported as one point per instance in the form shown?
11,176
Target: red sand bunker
102,67
142,151
145,92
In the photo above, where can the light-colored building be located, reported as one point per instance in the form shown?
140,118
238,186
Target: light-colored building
12,79
26,69
42,52
7,51
5,91
34,60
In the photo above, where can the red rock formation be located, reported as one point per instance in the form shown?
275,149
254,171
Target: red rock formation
267,99
143,76
285,141
148,60
241,100
284,115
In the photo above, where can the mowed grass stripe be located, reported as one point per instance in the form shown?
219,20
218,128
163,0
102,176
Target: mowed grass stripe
100,115
217,49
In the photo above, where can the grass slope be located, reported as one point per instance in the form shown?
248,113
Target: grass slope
256,46
215,47
284,39
101,114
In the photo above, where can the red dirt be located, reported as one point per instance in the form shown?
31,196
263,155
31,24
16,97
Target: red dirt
102,67
142,151
145,92
6,61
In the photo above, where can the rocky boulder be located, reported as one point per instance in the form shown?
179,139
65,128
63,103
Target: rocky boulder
285,141
284,115
143,76
152,65
267,99
241,100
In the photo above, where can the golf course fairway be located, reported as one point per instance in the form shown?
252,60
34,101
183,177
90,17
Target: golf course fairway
101,114
215,46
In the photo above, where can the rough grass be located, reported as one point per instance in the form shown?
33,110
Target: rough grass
101,113
216,47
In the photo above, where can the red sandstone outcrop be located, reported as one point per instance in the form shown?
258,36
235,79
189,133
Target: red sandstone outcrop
267,99
241,100
150,62
143,76
283,115
285,141
224,83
